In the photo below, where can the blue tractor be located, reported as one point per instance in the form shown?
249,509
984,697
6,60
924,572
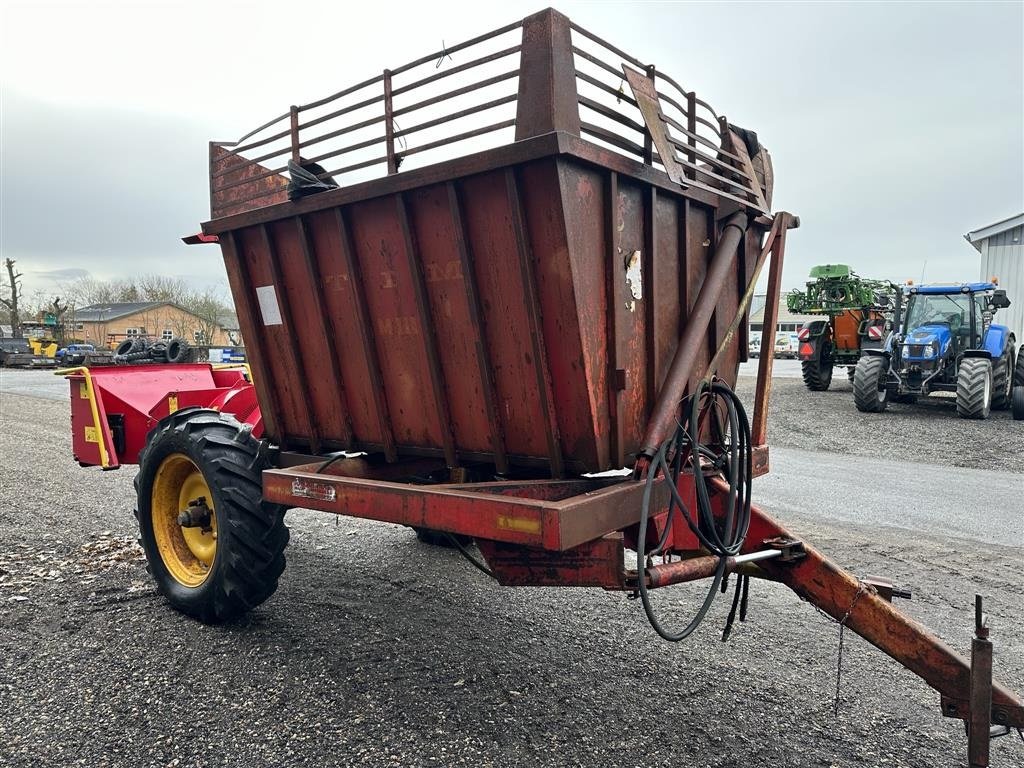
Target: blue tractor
945,340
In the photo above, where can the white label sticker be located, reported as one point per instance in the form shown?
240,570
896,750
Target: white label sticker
305,489
267,297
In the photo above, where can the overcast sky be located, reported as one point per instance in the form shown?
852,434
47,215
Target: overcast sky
894,128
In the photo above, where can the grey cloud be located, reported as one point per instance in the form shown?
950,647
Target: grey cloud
894,129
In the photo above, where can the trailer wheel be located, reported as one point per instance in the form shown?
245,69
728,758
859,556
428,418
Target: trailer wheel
214,548
869,391
817,371
974,388
1002,378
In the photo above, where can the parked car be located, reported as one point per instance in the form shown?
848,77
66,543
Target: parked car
754,348
786,345
73,354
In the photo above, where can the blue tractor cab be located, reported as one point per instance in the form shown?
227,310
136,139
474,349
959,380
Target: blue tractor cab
944,340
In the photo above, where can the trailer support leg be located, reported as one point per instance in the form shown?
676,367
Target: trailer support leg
822,583
978,730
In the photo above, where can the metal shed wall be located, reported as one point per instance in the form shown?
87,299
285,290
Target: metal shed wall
1002,256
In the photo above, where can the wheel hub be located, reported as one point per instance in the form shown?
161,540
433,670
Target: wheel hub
196,515
184,520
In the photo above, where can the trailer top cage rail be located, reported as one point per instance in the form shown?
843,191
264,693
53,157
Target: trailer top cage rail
483,93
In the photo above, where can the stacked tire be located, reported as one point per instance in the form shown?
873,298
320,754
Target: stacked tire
176,350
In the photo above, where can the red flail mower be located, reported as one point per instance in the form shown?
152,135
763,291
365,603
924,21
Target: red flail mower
471,288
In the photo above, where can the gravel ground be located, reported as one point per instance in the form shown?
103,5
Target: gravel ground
928,431
377,650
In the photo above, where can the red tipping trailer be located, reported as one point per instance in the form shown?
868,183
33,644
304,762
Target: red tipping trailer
469,287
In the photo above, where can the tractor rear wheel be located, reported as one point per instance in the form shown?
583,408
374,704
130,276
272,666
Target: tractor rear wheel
1018,372
1002,378
1018,403
214,548
869,379
817,371
974,388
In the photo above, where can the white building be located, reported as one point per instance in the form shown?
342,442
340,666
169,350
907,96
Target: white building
1001,246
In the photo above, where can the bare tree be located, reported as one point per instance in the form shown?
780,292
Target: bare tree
208,307
160,288
86,291
59,310
13,291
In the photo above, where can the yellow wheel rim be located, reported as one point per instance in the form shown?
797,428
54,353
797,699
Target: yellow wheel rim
187,553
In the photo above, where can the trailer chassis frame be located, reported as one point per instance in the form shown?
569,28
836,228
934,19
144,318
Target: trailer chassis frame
574,532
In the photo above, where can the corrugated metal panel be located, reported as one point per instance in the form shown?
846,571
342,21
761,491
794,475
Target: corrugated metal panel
1002,256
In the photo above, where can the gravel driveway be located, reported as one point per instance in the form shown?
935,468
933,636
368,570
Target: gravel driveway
380,651
928,431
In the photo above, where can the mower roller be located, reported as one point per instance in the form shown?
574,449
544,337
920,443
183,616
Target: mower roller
505,314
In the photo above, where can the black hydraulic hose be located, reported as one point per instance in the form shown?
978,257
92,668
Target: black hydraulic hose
736,464
480,566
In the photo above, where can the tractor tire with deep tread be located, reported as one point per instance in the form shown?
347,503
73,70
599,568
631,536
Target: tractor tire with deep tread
1017,403
124,347
869,391
974,388
816,373
158,352
1018,372
250,535
177,350
1002,378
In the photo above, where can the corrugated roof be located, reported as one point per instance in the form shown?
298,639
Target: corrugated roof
98,313
975,237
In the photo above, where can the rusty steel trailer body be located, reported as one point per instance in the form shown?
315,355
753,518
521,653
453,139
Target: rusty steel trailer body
497,328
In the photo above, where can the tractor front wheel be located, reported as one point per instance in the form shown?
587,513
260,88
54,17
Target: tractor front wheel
214,548
1002,378
869,384
974,388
